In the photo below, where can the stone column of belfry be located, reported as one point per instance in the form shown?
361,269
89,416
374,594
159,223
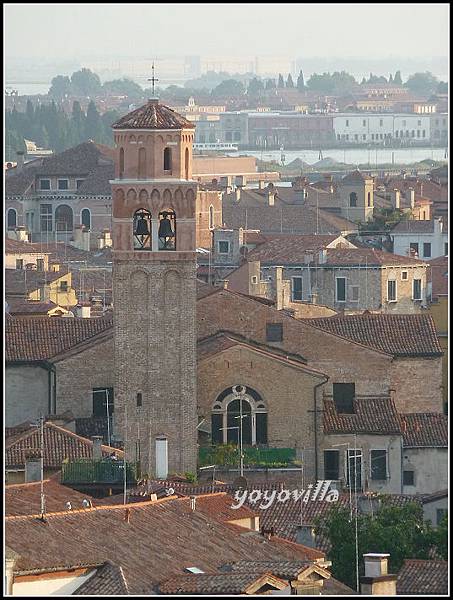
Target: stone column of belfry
154,288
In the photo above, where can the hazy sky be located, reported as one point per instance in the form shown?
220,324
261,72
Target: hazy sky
75,31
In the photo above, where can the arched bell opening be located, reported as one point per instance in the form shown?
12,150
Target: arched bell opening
142,230
167,230
167,160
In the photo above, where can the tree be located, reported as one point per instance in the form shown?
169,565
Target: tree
125,87
281,81
390,78
289,81
422,83
230,87
77,125
442,88
300,82
93,124
397,530
60,86
270,84
255,87
397,79
86,83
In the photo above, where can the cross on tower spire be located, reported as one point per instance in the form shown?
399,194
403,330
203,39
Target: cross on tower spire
153,80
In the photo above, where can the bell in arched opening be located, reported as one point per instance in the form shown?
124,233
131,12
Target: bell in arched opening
167,233
142,230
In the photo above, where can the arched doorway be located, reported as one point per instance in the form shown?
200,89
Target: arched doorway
64,219
12,218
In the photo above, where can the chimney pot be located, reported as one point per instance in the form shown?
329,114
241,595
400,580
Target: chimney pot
97,447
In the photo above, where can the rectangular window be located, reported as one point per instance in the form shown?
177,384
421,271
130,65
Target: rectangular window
347,123
19,263
391,290
44,184
332,464
424,133
79,183
296,289
417,289
354,293
414,248
254,279
63,184
364,136
404,275
408,477
354,472
274,332
419,123
45,211
343,397
378,464
40,264
381,122
340,289
364,123
224,247
101,398
64,286
426,250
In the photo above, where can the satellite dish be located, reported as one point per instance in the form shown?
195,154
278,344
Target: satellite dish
68,506
86,503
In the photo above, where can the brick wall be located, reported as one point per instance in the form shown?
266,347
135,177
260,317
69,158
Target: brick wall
418,384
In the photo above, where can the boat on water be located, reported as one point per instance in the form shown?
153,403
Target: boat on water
215,147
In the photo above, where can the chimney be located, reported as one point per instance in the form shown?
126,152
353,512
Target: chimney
11,558
314,296
322,256
97,447
305,535
21,234
412,198
377,580
396,199
270,196
20,160
32,468
84,310
280,292
225,284
193,502
261,184
438,226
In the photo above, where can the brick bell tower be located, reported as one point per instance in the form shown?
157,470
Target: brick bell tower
154,287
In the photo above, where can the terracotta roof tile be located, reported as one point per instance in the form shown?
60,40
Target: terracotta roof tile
427,577
289,249
21,282
221,583
424,430
372,415
38,339
59,445
416,226
107,581
153,116
169,535
399,335
367,256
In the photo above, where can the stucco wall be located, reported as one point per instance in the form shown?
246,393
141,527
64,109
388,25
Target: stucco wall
26,393
431,469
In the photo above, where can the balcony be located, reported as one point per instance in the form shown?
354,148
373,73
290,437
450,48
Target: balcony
262,457
99,472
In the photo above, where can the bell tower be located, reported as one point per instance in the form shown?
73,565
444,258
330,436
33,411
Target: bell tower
154,287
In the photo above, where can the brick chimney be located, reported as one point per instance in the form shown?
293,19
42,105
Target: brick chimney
395,199
377,580
270,196
33,468
97,447
412,198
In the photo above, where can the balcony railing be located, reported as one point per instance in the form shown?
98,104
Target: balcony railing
228,455
89,471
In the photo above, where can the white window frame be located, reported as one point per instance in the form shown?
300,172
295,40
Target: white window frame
58,184
406,273
413,288
81,211
254,279
347,465
396,290
301,291
345,289
45,189
387,470
223,242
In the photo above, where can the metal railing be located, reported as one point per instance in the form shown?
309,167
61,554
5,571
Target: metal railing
89,471
227,455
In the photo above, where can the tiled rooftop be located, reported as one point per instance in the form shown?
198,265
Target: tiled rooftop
107,581
289,249
21,282
371,415
153,115
424,430
399,335
221,583
423,577
369,257
59,444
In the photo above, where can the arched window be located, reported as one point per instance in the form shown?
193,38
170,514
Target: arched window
352,199
186,163
167,230
211,217
64,218
142,163
121,162
233,406
142,229
85,218
167,159
12,218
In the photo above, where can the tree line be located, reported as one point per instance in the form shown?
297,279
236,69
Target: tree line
50,127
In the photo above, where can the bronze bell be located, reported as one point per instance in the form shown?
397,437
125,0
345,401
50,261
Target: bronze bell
165,230
141,227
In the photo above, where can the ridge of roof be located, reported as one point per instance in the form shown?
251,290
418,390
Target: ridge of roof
153,115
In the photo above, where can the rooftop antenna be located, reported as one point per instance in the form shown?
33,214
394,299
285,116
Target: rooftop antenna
153,80
43,498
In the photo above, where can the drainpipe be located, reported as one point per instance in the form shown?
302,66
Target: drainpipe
315,389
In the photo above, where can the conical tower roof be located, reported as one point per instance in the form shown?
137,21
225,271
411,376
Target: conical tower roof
153,115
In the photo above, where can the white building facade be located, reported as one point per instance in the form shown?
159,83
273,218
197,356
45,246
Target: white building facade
365,128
